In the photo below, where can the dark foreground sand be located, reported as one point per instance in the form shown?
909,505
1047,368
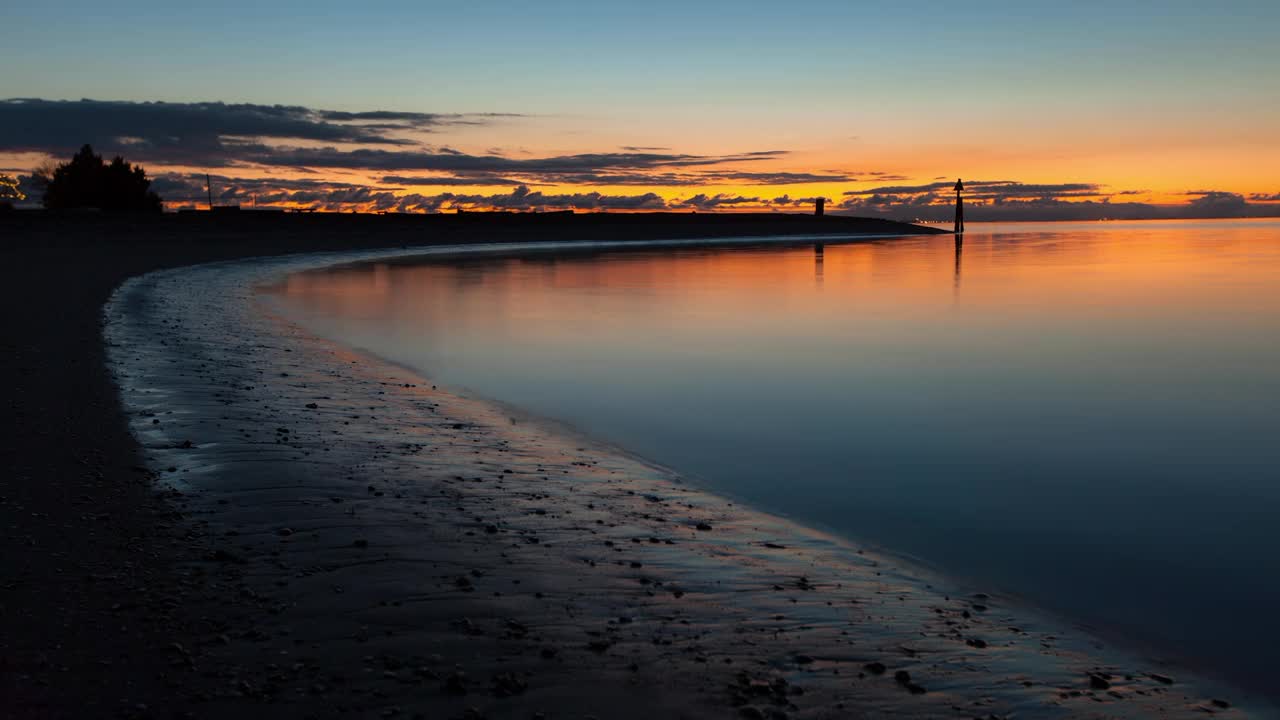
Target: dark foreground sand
345,539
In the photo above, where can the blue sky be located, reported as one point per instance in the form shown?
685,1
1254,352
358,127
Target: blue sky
1125,94
560,56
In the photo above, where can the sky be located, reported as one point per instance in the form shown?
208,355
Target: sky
1046,109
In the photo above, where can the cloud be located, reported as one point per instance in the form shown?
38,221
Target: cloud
319,194
306,144
216,134
648,179
210,133
788,201
702,201
449,160
1006,200
179,185
522,198
448,181
684,178
1216,203
988,188
781,178
189,190
677,178
934,201
411,118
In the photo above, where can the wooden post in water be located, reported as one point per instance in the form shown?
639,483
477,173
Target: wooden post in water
818,204
208,188
959,226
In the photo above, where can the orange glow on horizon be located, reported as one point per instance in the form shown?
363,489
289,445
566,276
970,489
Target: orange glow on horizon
1158,174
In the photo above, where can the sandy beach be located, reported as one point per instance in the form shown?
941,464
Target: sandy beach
259,522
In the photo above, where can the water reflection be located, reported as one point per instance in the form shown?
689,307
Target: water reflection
959,242
1093,427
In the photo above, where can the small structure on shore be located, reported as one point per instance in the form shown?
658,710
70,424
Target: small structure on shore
959,226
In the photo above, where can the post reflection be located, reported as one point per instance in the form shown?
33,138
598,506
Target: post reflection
955,282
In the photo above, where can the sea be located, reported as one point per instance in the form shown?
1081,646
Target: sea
1083,415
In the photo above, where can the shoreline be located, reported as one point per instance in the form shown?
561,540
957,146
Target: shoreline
1169,655
772,574
115,599
98,587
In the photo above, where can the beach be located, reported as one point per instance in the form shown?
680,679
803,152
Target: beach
262,523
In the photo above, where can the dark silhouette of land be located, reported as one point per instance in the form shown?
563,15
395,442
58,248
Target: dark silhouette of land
327,231
96,605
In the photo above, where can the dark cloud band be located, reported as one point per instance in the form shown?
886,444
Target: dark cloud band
216,134
206,133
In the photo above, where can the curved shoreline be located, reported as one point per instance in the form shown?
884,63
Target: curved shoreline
545,523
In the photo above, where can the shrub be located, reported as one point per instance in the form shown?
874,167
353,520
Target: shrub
88,182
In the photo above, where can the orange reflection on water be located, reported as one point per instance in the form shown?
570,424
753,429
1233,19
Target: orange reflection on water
1149,268
1081,413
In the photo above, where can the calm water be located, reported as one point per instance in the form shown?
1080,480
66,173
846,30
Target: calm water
1084,414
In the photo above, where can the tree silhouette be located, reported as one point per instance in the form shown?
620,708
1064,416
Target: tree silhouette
42,175
88,182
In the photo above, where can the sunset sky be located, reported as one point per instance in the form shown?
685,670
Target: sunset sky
677,105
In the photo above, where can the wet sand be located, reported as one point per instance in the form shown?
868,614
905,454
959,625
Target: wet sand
336,536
